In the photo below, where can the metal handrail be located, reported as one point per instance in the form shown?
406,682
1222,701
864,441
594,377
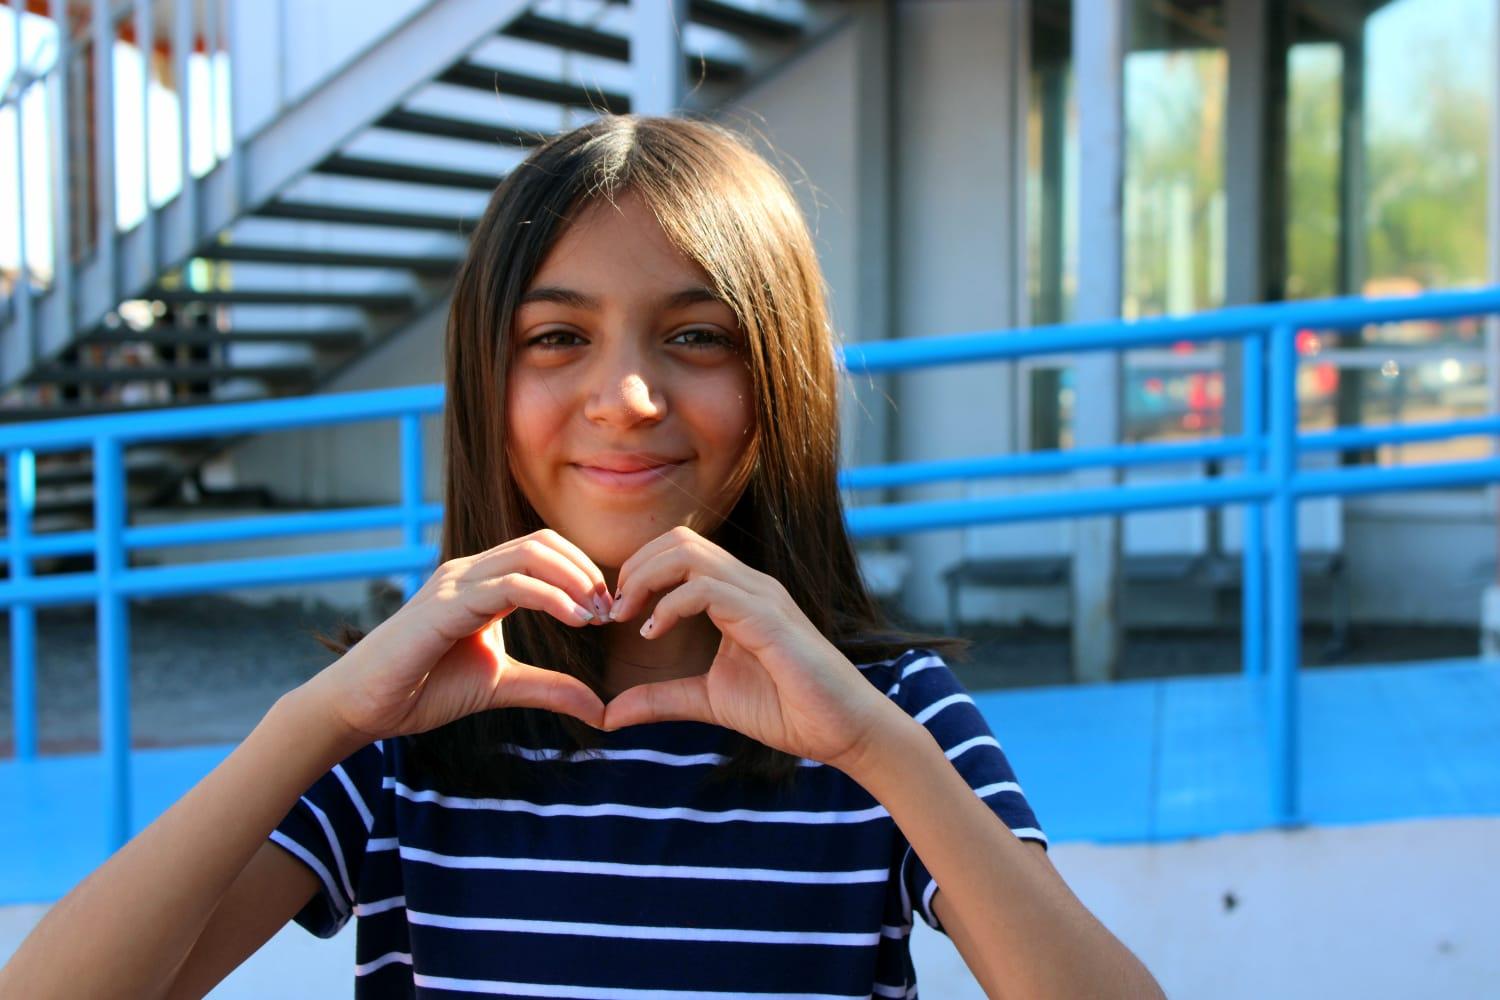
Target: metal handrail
1270,485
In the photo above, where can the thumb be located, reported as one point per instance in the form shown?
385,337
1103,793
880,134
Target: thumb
526,686
685,698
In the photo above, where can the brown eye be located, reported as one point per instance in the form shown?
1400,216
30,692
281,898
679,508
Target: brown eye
546,342
704,336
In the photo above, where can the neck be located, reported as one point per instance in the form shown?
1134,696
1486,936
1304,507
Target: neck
630,659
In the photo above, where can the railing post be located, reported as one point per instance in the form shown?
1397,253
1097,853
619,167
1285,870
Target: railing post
20,488
62,175
1282,684
411,491
1253,554
145,40
113,627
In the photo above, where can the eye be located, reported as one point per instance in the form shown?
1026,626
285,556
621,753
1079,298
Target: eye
703,336
546,342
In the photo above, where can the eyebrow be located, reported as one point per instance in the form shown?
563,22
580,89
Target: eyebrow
578,300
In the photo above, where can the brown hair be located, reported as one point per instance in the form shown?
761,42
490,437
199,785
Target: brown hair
734,215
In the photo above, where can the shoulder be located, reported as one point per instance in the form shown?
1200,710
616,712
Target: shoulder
906,678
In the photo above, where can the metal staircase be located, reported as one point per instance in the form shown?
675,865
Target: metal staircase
324,232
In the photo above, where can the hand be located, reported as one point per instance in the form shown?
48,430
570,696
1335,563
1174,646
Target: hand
775,677
442,657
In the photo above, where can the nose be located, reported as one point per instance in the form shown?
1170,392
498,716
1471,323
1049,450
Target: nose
625,397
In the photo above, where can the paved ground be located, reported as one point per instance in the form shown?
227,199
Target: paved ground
206,669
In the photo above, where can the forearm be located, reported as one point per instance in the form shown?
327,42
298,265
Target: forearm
1031,937
126,928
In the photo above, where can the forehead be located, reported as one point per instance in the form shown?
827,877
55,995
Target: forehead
617,242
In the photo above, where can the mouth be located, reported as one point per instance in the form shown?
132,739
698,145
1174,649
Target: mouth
627,480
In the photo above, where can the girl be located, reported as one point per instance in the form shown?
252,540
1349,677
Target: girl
694,762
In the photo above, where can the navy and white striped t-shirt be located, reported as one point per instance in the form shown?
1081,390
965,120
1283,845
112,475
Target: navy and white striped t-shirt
638,880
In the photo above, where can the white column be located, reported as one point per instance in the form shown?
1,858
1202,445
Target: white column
1099,28
658,70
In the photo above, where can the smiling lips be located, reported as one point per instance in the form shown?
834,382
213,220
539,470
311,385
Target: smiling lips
627,472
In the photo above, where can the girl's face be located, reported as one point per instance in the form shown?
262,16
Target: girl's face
629,399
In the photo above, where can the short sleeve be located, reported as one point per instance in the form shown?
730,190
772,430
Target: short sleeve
926,688
327,830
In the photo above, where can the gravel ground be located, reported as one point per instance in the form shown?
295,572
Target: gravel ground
206,669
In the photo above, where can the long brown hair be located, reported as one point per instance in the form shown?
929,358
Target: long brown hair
734,215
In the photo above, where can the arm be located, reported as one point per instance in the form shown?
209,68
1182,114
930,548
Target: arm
127,929
1019,927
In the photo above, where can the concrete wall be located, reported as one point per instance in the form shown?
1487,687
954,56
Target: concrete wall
1382,912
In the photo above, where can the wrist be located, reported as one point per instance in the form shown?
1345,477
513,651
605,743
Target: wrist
311,709
894,738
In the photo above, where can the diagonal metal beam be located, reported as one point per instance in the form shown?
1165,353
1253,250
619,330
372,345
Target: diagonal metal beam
439,34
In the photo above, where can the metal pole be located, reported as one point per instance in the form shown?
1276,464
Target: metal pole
182,52
658,74
1281,688
103,69
62,181
20,470
1253,574
411,490
145,33
25,305
113,621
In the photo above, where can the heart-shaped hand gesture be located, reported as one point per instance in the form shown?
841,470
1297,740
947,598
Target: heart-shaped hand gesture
775,677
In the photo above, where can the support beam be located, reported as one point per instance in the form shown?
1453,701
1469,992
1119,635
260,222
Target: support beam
1099,28
658,73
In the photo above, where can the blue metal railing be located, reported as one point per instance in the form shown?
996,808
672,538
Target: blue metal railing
1270,485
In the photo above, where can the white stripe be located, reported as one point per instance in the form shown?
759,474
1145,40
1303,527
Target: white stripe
379,906
603,992
865,876
380,745
334,846
901,882
641,932
927,894
882,990
886,930
942,703
967,745
308,858
381,844
913,667
997,787
643,812
649,756
391,956
1030,833
355,797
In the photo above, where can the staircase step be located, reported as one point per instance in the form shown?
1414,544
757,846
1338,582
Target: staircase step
737,20
295,371
357,166
533,27
423,123
426,264
286,297
361,216
340,339
491,79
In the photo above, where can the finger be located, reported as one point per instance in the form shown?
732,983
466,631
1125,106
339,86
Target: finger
660,701
579,557
725,603
644,554
526,686
489,599
690,556
536,558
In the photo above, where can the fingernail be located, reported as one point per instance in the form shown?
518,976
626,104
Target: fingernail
599,609
650,622
615,613
583,613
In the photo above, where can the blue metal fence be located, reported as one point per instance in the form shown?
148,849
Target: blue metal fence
1270,485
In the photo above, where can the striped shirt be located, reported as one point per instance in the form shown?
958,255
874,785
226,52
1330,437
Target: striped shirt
638,881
